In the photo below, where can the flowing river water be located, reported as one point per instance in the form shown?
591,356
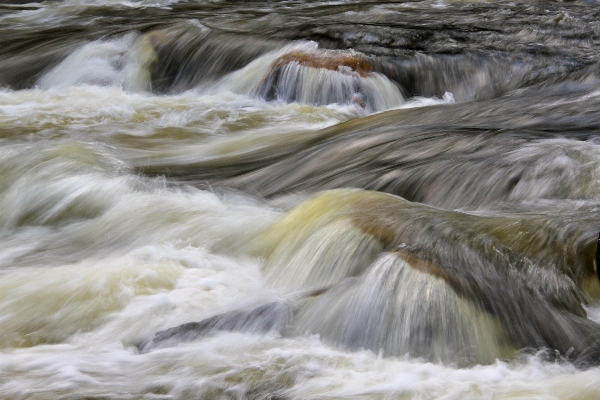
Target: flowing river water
299,199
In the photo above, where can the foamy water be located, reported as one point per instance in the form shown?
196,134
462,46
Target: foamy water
95,258
99,252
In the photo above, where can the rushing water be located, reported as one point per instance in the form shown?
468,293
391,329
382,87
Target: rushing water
303,200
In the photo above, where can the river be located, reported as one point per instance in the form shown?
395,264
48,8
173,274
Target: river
299,199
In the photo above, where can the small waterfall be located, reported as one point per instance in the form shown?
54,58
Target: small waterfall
374,271
399,310
304,74
400,277
370,270
320,255
123,62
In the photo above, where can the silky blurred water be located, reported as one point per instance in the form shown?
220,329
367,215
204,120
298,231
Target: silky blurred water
165,162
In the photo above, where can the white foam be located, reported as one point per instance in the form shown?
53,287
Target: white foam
120,62
299,368
593,312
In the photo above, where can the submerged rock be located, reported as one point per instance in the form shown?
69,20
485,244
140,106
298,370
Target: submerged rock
389,275
342,62
319,77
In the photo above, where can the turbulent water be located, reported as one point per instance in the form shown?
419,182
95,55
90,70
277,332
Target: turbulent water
299,200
